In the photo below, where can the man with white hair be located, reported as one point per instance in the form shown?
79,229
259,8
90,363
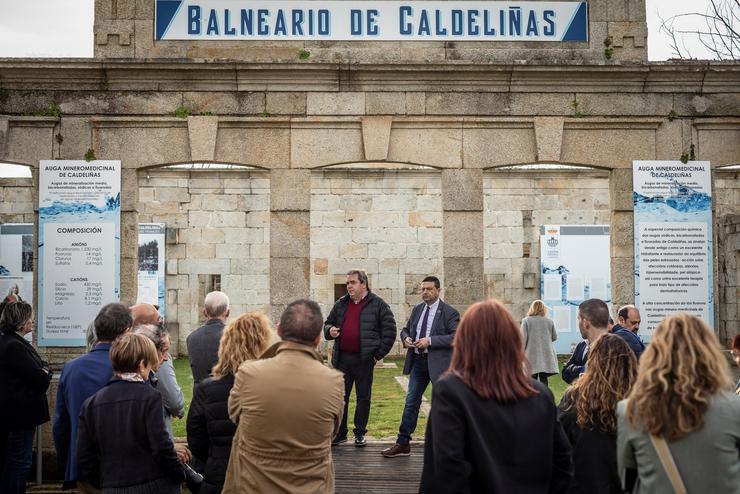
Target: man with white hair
203,342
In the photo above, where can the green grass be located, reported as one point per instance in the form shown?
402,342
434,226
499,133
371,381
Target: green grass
386,406
185,380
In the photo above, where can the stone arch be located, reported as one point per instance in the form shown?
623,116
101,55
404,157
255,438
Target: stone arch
218,227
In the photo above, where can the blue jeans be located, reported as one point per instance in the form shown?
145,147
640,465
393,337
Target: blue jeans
418,382
17,456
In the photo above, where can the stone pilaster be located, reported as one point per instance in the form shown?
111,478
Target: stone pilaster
462,203
622,237
290,238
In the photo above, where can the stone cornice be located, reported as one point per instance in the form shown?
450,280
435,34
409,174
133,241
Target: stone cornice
193,75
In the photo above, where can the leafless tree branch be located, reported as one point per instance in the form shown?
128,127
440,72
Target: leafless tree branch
721,36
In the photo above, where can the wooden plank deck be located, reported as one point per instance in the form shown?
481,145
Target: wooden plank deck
365,471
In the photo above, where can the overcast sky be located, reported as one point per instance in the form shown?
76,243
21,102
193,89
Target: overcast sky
63,28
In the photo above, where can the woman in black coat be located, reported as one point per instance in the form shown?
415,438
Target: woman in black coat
588,412
24,379
210,431
492,428
123,446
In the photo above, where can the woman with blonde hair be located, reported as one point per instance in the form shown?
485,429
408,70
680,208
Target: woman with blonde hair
681,411
538,333
589,414
210,431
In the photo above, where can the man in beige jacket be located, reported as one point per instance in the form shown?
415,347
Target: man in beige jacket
287,407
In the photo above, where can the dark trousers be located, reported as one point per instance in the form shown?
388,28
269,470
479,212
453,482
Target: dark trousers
359,373
418,381
541,377
16,455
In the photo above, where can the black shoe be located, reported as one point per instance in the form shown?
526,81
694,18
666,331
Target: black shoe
360,441
338,440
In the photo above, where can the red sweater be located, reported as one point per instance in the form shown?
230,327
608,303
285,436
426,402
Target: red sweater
349,338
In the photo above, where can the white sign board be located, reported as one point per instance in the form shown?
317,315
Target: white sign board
79,246
575,266
673,240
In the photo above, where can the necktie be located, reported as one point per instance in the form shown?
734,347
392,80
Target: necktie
423,332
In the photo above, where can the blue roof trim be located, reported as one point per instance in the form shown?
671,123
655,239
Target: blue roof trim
164,14
578,28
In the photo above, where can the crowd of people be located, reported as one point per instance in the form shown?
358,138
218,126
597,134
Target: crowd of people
266,412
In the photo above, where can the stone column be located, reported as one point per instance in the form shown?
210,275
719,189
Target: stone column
290,238
462,205
622,235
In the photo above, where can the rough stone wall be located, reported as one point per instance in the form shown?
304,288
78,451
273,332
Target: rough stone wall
17,200
222,226
726,198
516,205
387,222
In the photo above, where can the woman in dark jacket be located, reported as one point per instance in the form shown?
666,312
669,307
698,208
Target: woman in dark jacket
589,414
210,431
123,446
24,379
492,428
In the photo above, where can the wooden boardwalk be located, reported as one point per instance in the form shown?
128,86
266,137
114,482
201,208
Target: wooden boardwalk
364,470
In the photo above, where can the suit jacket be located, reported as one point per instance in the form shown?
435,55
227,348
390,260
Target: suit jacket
442,334
203,348
474,444
576,364
24,379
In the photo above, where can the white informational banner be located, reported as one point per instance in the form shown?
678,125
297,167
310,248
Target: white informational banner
383,20
151,265
79,246
673,240
575,266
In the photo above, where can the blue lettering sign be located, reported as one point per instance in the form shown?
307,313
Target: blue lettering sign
549,29
297,16
532,24
372,22
212,23
457,22
193,19
231,31
405,26
473,23
262,15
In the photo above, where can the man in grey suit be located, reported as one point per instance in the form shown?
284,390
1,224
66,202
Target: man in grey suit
203,342
428,336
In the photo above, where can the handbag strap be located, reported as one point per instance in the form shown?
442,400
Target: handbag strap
666,459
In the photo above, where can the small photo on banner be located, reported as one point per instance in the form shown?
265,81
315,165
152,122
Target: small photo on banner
151,261
673,240
574,266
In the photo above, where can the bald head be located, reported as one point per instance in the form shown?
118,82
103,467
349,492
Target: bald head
144,314
216,306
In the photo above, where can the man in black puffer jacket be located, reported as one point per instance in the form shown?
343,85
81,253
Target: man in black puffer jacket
365,330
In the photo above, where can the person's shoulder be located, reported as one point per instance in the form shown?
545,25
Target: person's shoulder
445,306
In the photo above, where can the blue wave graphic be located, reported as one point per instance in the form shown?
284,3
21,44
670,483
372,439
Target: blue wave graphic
57,208
4,271
683,198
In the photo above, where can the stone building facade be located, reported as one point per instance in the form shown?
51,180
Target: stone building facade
393,156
